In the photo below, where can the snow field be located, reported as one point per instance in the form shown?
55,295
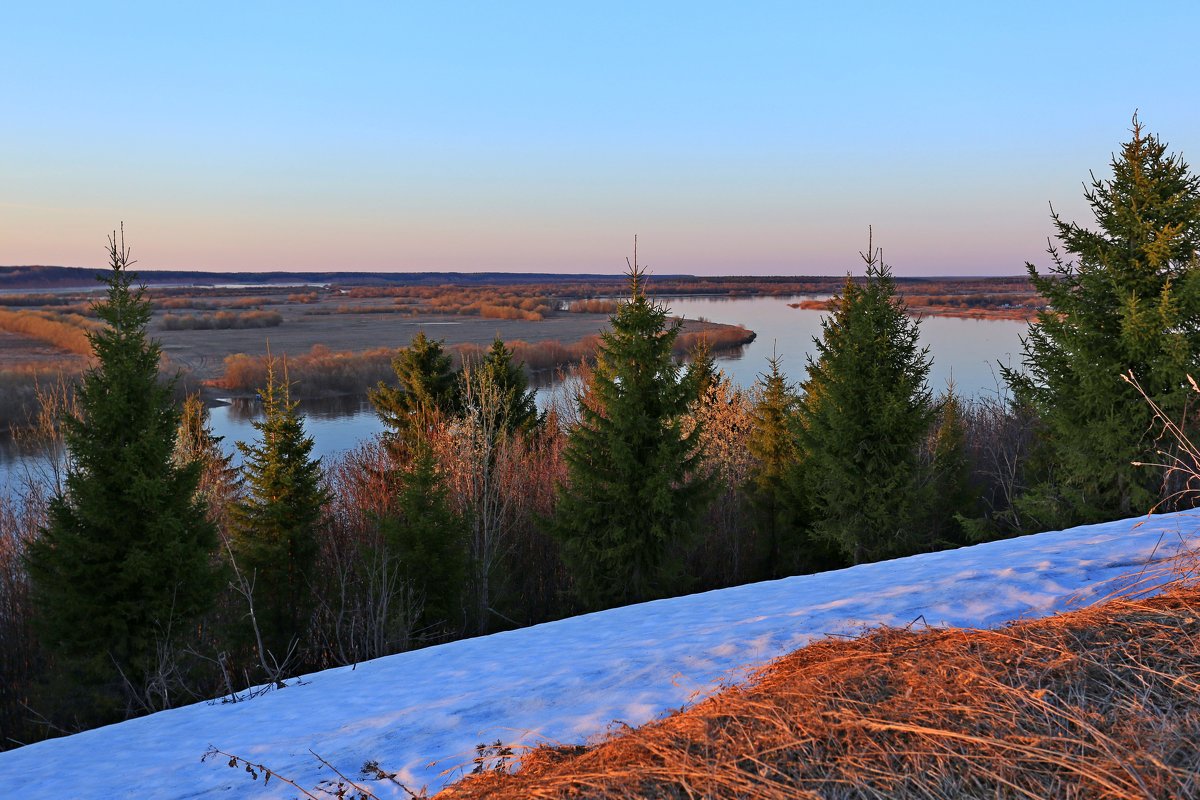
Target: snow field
422,713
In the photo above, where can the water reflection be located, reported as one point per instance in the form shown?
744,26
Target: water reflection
335,424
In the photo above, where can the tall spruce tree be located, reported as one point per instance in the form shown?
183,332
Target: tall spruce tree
865,411
425,388
635,495
276,525
124,562
1124,297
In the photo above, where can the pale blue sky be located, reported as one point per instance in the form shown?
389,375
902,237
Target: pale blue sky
750,138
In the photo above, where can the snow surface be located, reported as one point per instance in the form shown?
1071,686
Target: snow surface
423,712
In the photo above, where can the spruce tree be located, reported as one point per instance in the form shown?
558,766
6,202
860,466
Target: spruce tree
634,495
772,443
425,389
428,539
124,562
865,411
275,527
1123,297
952,501
519,411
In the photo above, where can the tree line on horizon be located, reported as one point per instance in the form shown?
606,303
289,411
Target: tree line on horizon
158,573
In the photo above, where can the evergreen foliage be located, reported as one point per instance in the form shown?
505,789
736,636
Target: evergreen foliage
429,540
124,562
276,524
702,370
865,412
425,389
1124,297
951,497
772,443
635,493
518,410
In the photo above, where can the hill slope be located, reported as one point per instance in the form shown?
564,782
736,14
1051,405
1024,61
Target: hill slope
423,712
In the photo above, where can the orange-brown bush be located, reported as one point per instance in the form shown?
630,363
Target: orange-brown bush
323,372
1102,702
592,306
221,320
320,372
176,303
968,299
247,302
717,337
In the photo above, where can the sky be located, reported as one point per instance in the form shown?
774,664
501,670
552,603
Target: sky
752,138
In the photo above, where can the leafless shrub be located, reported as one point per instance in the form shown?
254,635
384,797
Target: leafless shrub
22,514
222,320
726,552
1179,457
367,607
998,439
592,306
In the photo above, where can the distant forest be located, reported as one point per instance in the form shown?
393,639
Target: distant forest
33,278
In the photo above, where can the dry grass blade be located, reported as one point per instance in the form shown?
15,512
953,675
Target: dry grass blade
1099,702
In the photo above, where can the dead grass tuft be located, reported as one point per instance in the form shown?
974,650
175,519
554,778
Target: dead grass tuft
1101,702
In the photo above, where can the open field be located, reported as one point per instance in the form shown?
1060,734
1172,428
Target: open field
204,351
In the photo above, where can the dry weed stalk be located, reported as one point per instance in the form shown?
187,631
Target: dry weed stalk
1179,457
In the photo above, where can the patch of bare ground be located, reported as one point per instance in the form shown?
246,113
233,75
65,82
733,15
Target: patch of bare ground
22,352
1101,702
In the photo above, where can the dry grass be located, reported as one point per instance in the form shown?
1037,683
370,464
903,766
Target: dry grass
593,306
221,320
68,331
1102,702
1013,305
323,372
